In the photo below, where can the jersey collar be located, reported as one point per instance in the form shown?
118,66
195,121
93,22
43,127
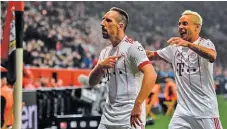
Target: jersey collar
197,41
121,41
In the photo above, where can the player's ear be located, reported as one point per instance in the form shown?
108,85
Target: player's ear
121,25
198,27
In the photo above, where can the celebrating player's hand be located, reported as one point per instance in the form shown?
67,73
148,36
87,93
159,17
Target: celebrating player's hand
178,41
135,115
109,62
149,54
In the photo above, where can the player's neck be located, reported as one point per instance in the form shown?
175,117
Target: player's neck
194,38
115,41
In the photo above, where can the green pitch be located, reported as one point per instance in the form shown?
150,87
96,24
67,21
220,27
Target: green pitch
162,121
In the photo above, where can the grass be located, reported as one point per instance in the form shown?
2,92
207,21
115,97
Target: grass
162,121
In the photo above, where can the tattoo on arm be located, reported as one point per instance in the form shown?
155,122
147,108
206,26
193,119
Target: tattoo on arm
202,51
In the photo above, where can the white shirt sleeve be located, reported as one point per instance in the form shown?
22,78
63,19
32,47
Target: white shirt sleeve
166,53
101,55
138,55
208,44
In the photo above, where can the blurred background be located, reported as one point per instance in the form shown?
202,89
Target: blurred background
62,42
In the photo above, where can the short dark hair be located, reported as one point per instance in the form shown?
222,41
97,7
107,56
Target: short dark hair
123,14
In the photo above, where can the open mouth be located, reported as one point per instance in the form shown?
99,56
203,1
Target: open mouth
104,33
183,33
104,30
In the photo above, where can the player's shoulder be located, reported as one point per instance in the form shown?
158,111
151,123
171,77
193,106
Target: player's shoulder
130,42
206,42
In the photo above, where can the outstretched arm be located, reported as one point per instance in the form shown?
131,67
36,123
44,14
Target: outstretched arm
153,55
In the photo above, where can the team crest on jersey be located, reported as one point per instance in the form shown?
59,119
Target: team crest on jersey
193,55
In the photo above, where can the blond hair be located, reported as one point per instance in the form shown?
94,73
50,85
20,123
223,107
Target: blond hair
198,20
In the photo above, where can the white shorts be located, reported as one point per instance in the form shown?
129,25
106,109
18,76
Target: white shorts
106,123
104,126
185,122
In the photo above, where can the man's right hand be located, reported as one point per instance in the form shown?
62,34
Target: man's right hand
99,70
109,62
153,55
150,54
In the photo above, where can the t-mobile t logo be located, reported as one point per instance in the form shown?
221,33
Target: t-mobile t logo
180,68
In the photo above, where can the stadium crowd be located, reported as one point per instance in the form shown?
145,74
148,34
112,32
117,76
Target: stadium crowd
68,34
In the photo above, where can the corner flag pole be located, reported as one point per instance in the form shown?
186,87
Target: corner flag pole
6,32
17,94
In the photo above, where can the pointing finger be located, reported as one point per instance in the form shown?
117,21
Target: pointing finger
114,57
112,60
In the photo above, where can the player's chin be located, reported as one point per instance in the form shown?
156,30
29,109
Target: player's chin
184,37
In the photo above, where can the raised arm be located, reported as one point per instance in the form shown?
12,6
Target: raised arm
206,53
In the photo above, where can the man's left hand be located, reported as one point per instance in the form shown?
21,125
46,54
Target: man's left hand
135,115
178,41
